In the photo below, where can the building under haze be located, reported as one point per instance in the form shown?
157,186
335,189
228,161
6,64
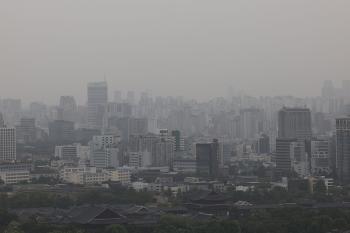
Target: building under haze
7,142
61,132
207,158
97,100
343,150
69,108
26,131
294,123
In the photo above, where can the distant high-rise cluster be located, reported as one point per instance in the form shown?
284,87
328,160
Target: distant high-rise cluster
239,136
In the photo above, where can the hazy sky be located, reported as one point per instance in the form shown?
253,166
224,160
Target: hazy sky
194,48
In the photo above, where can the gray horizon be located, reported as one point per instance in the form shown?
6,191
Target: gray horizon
190,48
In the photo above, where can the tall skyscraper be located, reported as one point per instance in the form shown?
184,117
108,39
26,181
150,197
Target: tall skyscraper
97,101
207,158
283,154
294,123
328,90
69,108
343,150
7,142
251,122
26,130
2,121
320,157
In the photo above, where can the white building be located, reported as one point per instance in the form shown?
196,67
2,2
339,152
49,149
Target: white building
103,151
122,175
140,159
7,143
140,186
298,158
320,162
15,177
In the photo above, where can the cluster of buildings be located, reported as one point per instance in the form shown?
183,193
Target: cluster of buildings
114,140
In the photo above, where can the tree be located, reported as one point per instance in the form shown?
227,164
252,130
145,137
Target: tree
115,229
13,227
172,224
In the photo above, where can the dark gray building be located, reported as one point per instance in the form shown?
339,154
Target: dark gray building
282,158
343,150
207,158
61,132
294,123
97,100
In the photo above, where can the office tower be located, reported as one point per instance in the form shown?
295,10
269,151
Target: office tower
320,157
163,153
207,158
143,142
2,121
115,109
12,110
7,142
140,159
69,108
39,112
26,131
179,141
61,132
251,123
343,150
97,101
328,90
283,150
298,157
263,144
294,123
104,151
129,126
67,152
322,125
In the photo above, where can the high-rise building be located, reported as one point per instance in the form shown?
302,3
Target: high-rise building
179,141
283,151
7,142
129,126
163,153
263,144
343,150
67,152
320,157
61,132
251,123
2,121
26,130
207,158
328,90
97,101
69,108
139,159
294,123
298,157
104,151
